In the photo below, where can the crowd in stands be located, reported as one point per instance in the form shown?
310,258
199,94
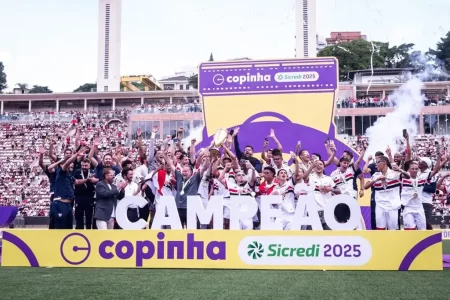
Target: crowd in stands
23,182
167,108
368,102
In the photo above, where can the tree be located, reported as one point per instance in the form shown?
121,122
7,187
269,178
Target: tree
37,89
441,54
357,54
211,58
85,88
2,78
22,86
193,80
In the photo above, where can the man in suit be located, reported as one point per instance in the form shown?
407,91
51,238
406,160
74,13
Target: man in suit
106,201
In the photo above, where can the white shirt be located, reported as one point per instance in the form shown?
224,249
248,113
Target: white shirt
425,177
130,190
321,181
140,173
344,180
411,193
387,193
113,214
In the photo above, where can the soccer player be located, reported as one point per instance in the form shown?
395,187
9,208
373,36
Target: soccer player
412,188
386,183
324,187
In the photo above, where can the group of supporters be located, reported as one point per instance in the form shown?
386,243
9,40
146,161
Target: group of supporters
93,185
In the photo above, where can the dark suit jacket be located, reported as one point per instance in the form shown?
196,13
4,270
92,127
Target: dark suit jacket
106,200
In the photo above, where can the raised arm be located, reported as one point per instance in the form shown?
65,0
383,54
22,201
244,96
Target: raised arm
236,144
330,151
389,154
358,161
151,145
332,157
234,160
366,169
273,136
170,162
67,163
263,153
50,151
408,148
41,158
192,151
94,162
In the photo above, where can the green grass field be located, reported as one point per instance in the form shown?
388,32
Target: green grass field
42,283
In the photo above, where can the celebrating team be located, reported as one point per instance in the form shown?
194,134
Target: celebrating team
400,186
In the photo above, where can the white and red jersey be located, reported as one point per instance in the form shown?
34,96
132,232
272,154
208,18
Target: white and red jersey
319,181
242,189
426,177
284,166
164,184
230,178
411,191
287,191
220,189
344,180
267,188
387,192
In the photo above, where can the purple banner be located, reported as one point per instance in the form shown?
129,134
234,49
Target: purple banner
268,77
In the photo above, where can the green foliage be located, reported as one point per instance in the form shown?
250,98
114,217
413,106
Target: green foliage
85,88
441,54
37,89
2,77
357,55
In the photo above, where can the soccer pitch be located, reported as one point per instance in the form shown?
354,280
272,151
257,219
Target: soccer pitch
41,283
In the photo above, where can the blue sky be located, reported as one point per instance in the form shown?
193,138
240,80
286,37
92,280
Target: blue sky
54,42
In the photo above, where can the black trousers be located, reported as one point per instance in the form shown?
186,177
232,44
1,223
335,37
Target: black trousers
51,224
373,220
84,208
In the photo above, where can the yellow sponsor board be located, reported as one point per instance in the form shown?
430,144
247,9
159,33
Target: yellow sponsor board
216,249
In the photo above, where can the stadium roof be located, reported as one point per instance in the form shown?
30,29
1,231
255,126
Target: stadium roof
99,95
175,78
380,71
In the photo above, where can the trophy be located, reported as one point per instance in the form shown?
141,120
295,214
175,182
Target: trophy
219,138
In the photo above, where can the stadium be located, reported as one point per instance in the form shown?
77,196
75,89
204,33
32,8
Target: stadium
255,257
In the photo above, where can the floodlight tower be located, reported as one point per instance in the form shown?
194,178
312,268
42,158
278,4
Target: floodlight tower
305,28
109,36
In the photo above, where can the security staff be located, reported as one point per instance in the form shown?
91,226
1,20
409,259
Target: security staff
61,207
85,181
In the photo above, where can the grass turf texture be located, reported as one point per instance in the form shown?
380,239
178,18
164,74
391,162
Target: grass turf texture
41,283
27,283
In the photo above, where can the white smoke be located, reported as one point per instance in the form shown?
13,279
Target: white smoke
388,130
195,133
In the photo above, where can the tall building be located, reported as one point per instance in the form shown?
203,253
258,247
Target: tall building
109,35
305,28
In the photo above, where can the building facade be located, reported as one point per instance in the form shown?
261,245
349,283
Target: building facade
305,29
344,36
171,109
109,41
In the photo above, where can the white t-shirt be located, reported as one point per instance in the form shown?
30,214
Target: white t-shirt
130,190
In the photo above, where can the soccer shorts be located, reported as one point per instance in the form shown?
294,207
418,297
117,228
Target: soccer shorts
414,218
386,218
